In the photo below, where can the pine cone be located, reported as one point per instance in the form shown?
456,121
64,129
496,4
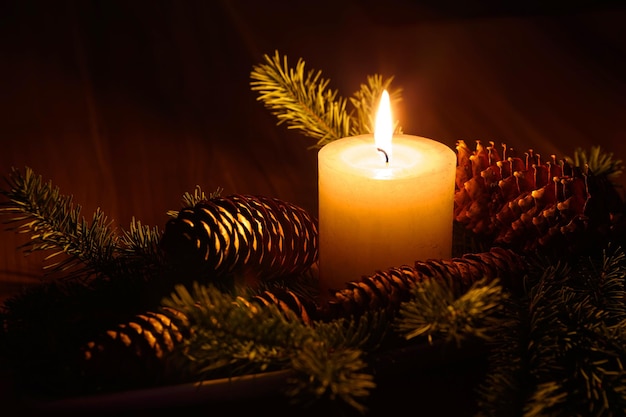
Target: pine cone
258,237
133,354
388,289
526,204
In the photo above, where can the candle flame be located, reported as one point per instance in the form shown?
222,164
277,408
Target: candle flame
383,130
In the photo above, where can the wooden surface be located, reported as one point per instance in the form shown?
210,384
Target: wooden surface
127,105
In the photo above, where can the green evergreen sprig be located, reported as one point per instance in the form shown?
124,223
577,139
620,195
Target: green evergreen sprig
563,354
598,161
140,243
55,224
334,375
74,244
190,200
365,102
434,312
503,390
232,334
303,100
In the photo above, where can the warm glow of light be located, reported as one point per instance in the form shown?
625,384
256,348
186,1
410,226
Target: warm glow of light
383,130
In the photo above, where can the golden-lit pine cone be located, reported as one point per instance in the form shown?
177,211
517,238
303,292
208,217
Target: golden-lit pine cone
386,290
135,352
525,204
254,236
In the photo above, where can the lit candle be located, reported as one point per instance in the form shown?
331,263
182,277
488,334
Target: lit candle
383,204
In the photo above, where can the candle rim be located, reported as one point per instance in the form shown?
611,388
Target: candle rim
333,156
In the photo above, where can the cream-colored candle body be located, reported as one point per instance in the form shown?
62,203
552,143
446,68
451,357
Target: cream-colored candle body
375,215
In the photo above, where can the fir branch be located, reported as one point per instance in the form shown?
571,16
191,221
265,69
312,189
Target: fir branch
434,311
227,331
325,374
503,391
230,334
568,345
301,99
190,200
77,246
546,400
604,280
598,161
304,102
367,332
140,244
365,102
56,225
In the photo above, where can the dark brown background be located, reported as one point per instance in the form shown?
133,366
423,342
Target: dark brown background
126,105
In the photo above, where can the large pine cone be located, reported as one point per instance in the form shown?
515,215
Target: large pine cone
526,204
388,289
255,236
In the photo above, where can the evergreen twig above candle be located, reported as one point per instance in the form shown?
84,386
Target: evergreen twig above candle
303,100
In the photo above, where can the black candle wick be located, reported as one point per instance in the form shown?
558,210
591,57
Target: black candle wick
383,151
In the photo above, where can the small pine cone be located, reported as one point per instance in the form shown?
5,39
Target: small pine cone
386,290
257,237
135,353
